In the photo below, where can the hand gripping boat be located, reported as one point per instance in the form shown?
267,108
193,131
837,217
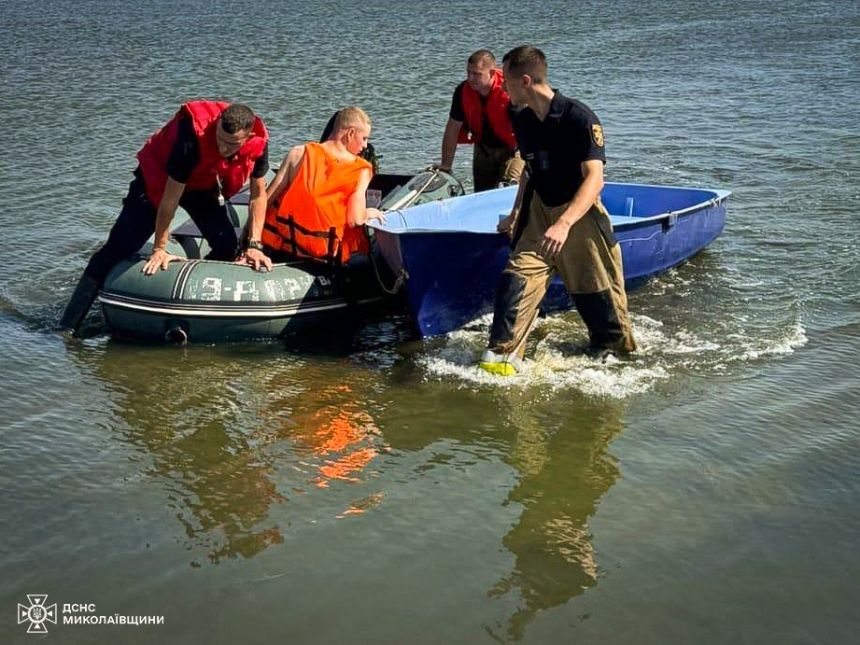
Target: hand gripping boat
451,255
205,301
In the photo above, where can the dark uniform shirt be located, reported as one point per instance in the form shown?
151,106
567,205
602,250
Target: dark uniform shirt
185,154
488,136
555,147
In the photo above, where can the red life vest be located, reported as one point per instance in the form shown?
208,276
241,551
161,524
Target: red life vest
309,219
211,167
496,107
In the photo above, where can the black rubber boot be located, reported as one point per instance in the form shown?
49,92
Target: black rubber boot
79,304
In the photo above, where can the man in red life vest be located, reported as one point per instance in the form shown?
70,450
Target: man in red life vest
480,115
317,200
200,158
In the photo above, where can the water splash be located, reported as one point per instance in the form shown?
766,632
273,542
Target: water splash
557,357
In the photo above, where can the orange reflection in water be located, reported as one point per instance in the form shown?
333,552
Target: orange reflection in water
343,436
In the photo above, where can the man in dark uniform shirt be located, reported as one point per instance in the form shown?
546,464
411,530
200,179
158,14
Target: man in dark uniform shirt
564,228
200,158
480,115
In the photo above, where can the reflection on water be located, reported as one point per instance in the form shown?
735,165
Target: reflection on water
218,434
237,449
185,415
563,468
564,471
335,437
222,491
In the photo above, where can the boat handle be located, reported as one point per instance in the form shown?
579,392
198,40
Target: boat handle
670,221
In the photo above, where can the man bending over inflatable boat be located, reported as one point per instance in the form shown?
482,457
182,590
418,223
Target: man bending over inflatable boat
316,202
202,157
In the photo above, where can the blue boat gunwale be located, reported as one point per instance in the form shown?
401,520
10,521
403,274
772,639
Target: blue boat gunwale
720,195
717,196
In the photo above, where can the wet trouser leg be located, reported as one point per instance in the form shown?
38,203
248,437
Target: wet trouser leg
133,226
520,290
79,304
590,266
488,166
600,315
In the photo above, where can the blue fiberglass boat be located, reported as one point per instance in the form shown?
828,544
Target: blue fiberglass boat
450,254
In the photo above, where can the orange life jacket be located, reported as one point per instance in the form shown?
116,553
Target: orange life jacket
309,219
232,172
355,240
496,107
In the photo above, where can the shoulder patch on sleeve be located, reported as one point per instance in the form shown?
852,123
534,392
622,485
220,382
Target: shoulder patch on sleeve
597,135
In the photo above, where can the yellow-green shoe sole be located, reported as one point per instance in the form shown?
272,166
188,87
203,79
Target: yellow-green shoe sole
502,369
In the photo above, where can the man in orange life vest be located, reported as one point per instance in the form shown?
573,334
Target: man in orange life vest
317,200
480,115
203,156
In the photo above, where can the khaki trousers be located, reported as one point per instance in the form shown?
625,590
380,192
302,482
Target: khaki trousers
590,267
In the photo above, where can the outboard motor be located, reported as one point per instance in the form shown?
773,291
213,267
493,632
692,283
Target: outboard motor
427,186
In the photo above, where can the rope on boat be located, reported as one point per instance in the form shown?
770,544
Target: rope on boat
402,277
